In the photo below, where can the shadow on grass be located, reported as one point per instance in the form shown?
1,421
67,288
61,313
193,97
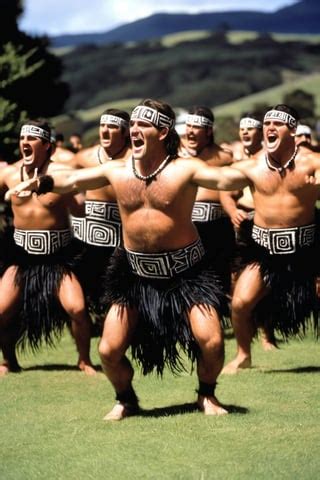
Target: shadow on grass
57,367
309,369
184,408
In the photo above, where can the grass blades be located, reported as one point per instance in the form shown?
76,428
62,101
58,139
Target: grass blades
51,421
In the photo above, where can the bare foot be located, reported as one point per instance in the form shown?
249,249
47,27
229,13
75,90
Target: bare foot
121,411
210,406
267,345
5,369
268,341
235,365
87,368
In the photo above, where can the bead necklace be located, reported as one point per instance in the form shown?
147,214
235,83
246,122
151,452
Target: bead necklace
151,176
282,168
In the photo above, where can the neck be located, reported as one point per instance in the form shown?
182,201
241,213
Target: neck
108,154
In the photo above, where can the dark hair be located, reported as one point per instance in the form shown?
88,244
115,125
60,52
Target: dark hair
59,137
203,112
282,107
172,140
44,124
254,116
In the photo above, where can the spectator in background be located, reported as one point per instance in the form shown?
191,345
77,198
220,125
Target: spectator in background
75,142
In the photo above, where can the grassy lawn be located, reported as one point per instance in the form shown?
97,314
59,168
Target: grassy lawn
51,421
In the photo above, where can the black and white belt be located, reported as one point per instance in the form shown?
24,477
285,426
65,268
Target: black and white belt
42,242
165,264
282,241
207,211
101,226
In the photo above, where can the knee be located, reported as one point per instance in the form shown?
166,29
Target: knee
77,312
213,344
108,354
240,305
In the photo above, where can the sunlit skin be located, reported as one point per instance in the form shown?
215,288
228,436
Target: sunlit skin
156,217
113,145
280,201
43,212
198,143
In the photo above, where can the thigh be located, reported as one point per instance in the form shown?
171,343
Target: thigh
250,287
205,324
71,294
10,293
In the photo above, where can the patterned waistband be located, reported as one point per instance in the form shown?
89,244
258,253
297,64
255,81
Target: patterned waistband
42,242
100,210
207,211
97,232
167,264
282,241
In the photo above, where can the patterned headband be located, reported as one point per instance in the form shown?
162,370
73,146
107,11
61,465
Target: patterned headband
248,122
158,119
35,131
199,121
113,120
280,116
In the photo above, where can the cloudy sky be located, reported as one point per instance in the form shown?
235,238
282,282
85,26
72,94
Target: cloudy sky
55,17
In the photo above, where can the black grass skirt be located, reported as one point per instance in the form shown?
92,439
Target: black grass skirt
91,273
41,317
292,306
163,307
218,239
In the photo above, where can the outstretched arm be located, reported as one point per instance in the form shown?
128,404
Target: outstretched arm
63,181
220,178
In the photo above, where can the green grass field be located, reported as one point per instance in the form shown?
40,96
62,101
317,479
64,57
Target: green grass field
51,421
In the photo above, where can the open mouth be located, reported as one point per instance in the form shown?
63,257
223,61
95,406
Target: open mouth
27,154
272,140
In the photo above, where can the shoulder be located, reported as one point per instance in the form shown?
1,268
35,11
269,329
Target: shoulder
87,157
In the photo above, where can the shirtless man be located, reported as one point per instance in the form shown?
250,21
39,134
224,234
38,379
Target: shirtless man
162,289
212,222
239,204
97,223
278,284
38,285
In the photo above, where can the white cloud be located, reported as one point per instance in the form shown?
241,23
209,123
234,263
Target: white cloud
55,17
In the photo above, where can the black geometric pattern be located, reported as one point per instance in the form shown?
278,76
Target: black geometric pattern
207,211
42,242
101,226
151,115
165,265
282,241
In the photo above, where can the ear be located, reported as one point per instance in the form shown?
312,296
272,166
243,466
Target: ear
163,132
293,132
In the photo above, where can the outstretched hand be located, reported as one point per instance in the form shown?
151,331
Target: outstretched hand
23,189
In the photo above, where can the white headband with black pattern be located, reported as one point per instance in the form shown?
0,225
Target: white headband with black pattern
199,121
158,119
35,131
280,116
113,120
248,122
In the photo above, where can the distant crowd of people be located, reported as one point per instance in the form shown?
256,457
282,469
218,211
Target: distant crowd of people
159,239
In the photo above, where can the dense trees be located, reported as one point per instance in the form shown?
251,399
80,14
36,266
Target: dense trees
29,77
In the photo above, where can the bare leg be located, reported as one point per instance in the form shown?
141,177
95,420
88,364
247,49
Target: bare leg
72,299
268,340
206,328
118,328
9,304
249,290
